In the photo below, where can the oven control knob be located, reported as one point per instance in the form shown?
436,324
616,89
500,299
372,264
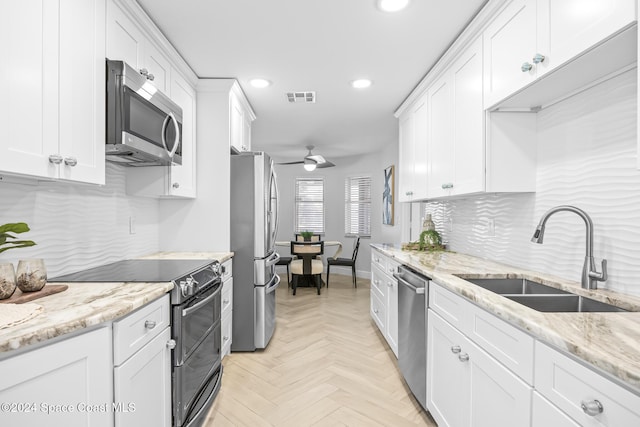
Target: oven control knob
187,287
171,344
215,267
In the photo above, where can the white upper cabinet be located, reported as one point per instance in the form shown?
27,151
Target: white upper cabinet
125,40
440,125
183,177
241,117
530,38
52,87
509,46
413,162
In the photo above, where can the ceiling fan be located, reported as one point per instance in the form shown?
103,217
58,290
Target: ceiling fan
311,161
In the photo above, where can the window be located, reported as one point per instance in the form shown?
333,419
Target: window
309,205
357,206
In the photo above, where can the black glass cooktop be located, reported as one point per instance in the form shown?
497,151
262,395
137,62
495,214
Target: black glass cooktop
136,270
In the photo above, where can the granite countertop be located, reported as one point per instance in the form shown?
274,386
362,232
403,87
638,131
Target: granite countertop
608,341
84,305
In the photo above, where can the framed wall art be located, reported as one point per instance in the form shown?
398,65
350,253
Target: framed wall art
388,197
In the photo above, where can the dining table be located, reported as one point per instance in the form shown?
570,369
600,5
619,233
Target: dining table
312,251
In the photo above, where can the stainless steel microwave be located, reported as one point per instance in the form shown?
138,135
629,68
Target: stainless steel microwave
144,127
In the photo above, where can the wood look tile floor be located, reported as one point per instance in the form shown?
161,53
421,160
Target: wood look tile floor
326,365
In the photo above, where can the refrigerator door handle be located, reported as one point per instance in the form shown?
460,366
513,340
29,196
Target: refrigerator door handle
272,288
275,216
273,259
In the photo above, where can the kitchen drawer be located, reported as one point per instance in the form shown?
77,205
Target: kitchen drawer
378,282
378,312
508,344
378,259
134,331
567,384
227,297
392,267
451,307
226,333
227,269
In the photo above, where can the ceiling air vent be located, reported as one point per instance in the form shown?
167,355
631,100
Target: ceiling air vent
303,97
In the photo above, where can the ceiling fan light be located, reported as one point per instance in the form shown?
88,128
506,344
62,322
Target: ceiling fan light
309,167
392,5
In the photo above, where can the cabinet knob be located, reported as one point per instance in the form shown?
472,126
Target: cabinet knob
176,185
70,161
225,301
151,77
144,72
150,324
377,259
375,310
464,357
377,282
390,284
56,159
592,408
171,344
526,67
538,58
455,349
225,338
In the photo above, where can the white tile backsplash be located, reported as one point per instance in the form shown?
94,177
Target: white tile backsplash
79,226
586,158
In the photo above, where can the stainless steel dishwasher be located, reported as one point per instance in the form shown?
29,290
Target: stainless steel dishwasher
413,291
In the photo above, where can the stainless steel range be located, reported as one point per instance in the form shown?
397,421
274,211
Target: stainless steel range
195,325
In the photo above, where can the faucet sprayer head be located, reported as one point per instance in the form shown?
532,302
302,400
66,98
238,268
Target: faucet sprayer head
538,235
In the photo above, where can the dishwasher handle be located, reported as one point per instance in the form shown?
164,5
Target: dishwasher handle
417,290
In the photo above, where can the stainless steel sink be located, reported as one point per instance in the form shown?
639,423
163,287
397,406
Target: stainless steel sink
515,286
563,303
542,297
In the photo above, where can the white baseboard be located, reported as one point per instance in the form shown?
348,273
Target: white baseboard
347,272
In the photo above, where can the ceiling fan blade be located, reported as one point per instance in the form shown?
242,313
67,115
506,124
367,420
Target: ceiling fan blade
316,158
299,162
326,164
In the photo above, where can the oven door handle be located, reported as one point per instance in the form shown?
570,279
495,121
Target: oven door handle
196,307
273,287
214,393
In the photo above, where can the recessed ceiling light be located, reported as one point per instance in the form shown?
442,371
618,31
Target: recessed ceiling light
392,5
361,83
260,83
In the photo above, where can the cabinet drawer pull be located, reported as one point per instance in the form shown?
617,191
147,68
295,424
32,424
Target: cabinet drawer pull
150,324
176,185
447,185
70,161
464,357
171,344
538,58
225,338
225,301
144,72
526,67
56,159
592,408
455,349
151,77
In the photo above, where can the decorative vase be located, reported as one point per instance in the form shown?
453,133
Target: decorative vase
31,275
7,281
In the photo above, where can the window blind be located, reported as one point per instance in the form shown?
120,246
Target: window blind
309,205
357,206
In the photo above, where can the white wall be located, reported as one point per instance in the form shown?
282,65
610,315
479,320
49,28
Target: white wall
586,158
202,224
79,226
370,164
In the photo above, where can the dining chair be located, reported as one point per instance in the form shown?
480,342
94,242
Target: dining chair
286,260
308,264
347,262
314,237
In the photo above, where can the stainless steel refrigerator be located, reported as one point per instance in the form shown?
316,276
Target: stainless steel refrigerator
254,224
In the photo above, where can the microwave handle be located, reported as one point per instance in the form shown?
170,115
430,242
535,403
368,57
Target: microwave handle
170,116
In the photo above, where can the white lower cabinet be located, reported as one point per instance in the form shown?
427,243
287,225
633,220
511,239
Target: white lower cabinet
226,323
68,383
142,372
384,297
581,393
545,414
142,386
466,386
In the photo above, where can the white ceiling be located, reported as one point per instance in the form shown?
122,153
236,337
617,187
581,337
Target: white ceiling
315,45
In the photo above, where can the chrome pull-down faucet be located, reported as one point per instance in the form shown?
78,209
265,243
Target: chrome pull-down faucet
590,275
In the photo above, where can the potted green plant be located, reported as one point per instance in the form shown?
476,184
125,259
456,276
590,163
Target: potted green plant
306,235
8,281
